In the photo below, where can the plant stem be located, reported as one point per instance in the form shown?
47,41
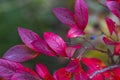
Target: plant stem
103,70
108,52
81,54
94,48
101,3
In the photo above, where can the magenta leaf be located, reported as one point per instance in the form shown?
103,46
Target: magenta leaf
81,14
90,65
28,36
114,7
70,51
42,70
73,66
8,68
14,71
42,46
117,49
56,43
62,74
108,41
110,25
75,32
64,15
81,76
24,76
20,53
116,72
24,73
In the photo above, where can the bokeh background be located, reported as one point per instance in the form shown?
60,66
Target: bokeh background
37,15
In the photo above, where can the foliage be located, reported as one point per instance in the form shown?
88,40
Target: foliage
80,40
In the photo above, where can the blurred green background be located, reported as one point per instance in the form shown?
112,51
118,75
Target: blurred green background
37,15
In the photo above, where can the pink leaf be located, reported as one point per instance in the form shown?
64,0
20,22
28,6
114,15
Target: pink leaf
8,68
28,37
108,41
64,15
81,14
42,70
24,73
81,76
24,76
74,32
42,46
70,51
114,0
117,49
116,72
20,53
114,7
14,71
110,25
73,66
93,64
62,74
55,42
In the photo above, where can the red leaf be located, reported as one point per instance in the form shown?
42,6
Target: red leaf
108,41
14,71
28,36
61,74
81,14
80,76
8,68
24,76
110,25
20,53
43,72
70,51
114,0
114,7
55,42
74,66
116,73
93,64
75,32
64,15
42,46
117,49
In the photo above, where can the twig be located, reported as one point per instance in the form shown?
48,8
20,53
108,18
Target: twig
81,54
101,3
103,70
116,33
94,48
100,50
108,52
110,55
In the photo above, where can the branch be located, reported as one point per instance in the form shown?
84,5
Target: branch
100,50
103,70
101,4
93,46
81,54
